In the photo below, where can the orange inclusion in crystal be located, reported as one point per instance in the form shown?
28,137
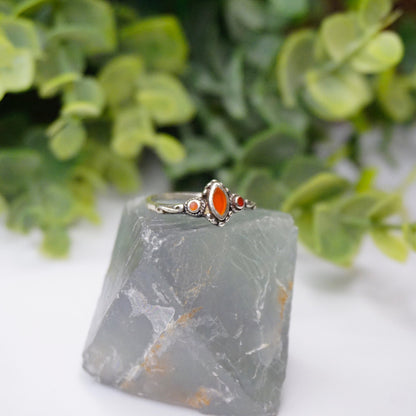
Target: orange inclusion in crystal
220,201
193,206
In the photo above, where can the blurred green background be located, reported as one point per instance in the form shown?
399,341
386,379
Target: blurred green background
246,91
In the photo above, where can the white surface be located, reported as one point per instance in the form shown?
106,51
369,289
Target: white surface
352,338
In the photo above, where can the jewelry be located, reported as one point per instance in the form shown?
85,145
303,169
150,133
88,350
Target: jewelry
216,203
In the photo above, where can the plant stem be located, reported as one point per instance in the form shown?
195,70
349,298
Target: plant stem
394,227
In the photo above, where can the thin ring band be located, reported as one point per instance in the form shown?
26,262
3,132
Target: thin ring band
155,202
216,203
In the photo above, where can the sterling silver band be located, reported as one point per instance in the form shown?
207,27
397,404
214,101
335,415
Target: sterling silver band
216,203
157,202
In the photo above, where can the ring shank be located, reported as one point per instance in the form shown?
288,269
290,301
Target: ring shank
170,202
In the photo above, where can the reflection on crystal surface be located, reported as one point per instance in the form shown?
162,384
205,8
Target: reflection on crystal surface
197,315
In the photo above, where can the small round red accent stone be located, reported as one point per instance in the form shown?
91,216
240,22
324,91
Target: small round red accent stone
240,201
193,206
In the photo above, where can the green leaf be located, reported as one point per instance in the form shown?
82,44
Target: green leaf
166,100
290,8
67,136
125,13
299,169
407,32
205,82
271,109
391,245
57,206
88,174
233,92
320,187
159,40
202,156
29,6
335,241
61,64
355,210
407,182
24,213
261,49
17,169
22,34
132,130
16,68
56,243
340,34
83,98
43,205
90,23
123,174
371,12
294,60
220,130
321,55
305,223
395,97
243,16
338,96
260,186
168,148
366,180
388,205
84,202
3,204
6,8
119,78
409,231
271,147
381,53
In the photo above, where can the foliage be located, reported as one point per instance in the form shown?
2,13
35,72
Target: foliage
267,78
117,78
265,116
341,55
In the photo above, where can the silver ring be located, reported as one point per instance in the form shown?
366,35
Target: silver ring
216,203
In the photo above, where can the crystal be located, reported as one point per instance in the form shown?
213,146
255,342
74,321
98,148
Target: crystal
197,315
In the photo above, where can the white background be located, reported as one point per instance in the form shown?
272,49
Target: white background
352,338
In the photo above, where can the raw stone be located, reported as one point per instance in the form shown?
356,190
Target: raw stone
196,315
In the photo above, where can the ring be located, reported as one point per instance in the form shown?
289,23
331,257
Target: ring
216,203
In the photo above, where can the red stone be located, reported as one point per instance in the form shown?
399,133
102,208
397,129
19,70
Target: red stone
219,201
193,206
240,202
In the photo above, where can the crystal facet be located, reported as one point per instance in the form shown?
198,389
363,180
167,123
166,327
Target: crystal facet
197,315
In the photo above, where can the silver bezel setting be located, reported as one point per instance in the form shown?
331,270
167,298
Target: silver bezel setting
234,202
201,209
211,213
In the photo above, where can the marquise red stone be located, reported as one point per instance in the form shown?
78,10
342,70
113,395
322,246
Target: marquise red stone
219,201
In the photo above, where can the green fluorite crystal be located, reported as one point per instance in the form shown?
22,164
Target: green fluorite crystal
197,315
